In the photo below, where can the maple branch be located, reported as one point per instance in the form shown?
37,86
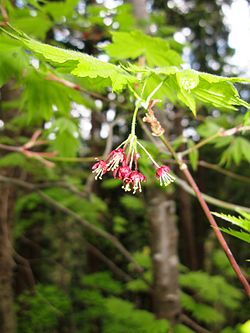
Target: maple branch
25,149
222,132
183,167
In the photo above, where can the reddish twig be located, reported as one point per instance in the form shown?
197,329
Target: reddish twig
25,149
221,239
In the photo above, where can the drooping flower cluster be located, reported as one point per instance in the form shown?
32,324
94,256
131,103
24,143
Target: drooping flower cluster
123,163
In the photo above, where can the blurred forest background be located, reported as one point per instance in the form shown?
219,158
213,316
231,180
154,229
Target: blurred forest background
83,256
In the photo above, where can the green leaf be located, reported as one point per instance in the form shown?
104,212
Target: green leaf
132,203
238,234
202,312
66,142
156,50
212,289
76,63
102,281
222,95
13,60
239,221
137,285
187,79
125,17
237,151
60,9
35,26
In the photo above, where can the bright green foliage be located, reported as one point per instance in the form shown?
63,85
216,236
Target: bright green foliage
182,329
66,142
136,204
187,86
130,320
12,60
42,310
243,222
213,291
191,87
212,288
237,151
102,281
77,63
156,50
112,313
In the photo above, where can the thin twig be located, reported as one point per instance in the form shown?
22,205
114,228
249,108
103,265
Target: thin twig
214,201
192,324
221,133
4,14
228,173
112,266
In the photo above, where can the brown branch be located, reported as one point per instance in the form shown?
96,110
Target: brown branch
221,133
223,243
217,168
4,14
192,324
112,266
90,227
25,263
25,149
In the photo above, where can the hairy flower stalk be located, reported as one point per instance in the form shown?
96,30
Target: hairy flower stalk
123,163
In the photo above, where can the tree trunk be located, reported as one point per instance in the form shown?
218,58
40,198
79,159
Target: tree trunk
161,212
164,234
7,313
7,264
140,9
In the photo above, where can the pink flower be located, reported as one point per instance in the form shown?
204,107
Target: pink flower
133,181
116,157
163,174
100,168
122,172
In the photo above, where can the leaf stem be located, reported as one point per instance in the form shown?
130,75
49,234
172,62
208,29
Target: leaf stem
134,120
